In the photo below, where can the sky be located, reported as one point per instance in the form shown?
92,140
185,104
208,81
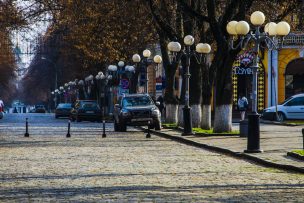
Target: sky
25,41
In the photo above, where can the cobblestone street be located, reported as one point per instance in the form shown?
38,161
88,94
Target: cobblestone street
125,167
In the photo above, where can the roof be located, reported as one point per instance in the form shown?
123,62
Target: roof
298,95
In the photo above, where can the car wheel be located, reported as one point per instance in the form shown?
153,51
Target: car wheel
123,127
116,126
280,117
158,125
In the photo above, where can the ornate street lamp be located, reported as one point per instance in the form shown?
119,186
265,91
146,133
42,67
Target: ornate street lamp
118,72
129,70
81,86
89,81
146,61
272,37
103,80
176,53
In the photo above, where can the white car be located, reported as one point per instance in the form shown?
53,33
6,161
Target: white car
291,108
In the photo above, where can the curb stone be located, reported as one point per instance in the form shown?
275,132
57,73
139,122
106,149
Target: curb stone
278,123
224,151
295,155
180,129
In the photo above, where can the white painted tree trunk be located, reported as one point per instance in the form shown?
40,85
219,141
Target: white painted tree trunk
180,115
196,113
206,117
223,118
171,113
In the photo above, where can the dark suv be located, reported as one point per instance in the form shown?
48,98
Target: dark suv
136,110
87,110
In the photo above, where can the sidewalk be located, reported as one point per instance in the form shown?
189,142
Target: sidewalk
275,141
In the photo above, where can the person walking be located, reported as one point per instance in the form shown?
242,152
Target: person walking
1,106
161,104
242,106
1,109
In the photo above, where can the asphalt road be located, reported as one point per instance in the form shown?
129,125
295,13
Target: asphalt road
125,167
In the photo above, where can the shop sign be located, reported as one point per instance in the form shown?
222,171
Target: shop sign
242,71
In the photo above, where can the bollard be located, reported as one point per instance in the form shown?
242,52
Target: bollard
148,134
104,128
303,137
69,126
253,138
26,134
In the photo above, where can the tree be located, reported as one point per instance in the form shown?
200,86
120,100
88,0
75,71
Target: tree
91,35
172,25
218,15
10,19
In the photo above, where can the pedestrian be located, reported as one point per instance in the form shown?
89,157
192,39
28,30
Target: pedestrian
242,106
1,106
161,104
1,109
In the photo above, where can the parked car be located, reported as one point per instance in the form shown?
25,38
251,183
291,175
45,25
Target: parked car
87,110
136,110
40,109
291,108
63,110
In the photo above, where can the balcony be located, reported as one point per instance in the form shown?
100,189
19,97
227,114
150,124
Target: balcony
293,40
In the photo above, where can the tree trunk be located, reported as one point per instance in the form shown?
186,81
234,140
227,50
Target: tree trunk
171,113
206,117
224,89
180,115
170,70
223,118
196,113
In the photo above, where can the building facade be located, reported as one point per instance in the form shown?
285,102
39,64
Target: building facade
281,73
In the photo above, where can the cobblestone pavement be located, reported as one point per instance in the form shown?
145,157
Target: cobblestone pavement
126,167
275,141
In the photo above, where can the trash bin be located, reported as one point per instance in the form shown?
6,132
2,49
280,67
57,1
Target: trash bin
244,128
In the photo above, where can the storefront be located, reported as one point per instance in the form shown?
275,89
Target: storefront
242,80
281,73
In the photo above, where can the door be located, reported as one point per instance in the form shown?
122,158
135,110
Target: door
295,108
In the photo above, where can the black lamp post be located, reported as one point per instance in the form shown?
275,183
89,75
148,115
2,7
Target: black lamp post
61,92
268,37
129,71
89,82
103,80
146,61
176,54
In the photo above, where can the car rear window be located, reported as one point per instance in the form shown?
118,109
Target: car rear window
89,105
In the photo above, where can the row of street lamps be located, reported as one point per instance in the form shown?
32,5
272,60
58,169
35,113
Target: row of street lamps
117,71
241,34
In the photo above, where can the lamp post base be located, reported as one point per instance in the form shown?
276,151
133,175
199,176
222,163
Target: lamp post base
187,121
253,151
253,141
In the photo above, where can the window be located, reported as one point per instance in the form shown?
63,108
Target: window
136,101
298,101
89,105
